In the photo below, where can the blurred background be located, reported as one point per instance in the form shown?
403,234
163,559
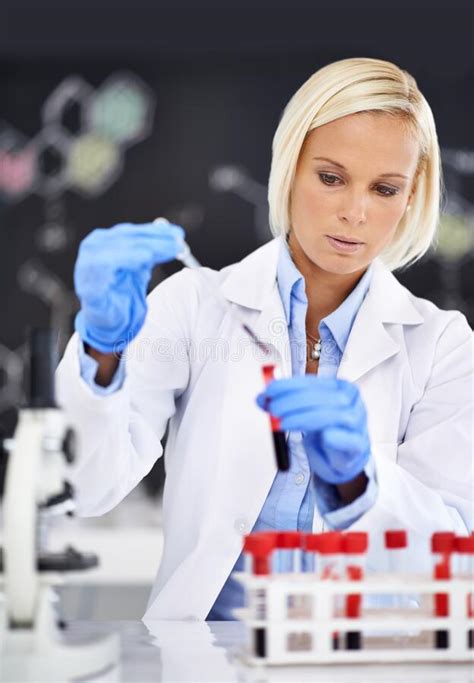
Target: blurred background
114,112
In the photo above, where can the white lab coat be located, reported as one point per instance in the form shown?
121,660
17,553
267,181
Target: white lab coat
192,365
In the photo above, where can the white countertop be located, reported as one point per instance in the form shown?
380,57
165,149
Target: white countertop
208,651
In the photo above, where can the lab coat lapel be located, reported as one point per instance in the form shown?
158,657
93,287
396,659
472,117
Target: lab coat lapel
370,342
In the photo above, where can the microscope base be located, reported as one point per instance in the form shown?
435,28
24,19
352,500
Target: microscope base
43,655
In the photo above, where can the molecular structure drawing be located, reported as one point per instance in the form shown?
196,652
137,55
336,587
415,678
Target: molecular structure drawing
82,142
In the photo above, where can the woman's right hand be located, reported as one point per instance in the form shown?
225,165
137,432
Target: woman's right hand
111,275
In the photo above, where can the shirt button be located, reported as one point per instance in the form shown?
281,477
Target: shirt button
299,478
241,525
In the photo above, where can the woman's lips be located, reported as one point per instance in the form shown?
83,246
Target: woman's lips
346,247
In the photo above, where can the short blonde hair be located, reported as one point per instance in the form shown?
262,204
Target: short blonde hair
347,87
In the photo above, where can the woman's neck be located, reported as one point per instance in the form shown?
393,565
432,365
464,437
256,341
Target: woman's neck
325,291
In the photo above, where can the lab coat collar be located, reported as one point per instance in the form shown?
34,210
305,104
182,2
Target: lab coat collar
251,281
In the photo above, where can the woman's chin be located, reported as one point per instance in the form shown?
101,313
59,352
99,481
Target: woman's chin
337,265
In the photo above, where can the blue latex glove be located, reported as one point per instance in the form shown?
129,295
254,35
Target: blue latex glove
111,275
332,417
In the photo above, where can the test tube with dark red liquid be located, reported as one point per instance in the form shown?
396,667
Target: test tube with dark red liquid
260,547
464,546
279,440
330,565
442,545
354,545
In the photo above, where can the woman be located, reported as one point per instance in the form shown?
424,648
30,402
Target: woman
376,393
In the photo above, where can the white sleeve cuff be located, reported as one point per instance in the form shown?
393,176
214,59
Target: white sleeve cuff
334,513
88,368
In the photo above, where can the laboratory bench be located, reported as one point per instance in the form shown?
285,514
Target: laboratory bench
185,651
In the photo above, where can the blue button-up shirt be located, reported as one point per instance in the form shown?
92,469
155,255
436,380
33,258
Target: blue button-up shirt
294,494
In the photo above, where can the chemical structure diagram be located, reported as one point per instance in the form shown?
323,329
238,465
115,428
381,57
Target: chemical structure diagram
83,139
80,148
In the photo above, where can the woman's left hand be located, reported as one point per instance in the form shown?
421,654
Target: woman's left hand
332,417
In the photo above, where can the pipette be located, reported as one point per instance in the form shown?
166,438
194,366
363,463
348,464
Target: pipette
187,258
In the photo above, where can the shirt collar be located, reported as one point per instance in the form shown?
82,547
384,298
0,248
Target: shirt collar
290,280
291,283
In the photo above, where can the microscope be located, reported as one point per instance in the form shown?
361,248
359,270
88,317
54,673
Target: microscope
33,637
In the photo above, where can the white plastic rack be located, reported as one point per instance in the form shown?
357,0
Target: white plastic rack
298,618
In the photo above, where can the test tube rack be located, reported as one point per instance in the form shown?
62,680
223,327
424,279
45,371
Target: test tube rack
293,619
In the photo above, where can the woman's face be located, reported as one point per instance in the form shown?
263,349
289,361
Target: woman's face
353,180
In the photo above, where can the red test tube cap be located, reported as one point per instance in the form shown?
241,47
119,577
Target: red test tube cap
311,542
290,539
396,538
355,542
442,542
259,544
464,544
330,543
269,372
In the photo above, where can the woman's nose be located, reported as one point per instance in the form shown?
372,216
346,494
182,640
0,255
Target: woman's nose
354,210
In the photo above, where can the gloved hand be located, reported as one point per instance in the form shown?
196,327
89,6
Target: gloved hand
111,275
332,417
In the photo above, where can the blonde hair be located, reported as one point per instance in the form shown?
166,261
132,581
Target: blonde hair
347,87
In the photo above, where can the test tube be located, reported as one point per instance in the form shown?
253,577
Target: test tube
260,546
330,560
270,372
354,546
330,566
464,547
442,546
396,544
289,551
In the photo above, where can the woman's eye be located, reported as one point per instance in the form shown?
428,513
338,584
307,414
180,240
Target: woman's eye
386,191
327,178
383,190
